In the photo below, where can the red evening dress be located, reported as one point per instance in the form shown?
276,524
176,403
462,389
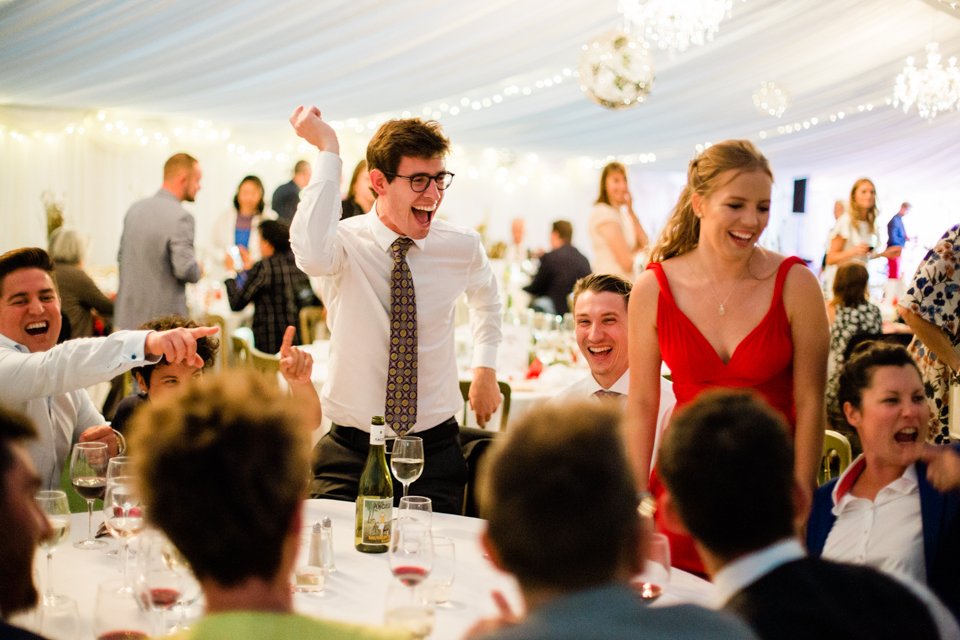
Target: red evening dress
762,361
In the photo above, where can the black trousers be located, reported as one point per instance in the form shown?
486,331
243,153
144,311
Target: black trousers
339,456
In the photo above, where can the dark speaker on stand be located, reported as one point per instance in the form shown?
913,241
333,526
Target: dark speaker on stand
800,195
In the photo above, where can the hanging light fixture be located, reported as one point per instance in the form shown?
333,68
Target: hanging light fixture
933,89
770,99
675,25
616,70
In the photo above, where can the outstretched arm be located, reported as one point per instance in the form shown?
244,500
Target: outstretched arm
296,365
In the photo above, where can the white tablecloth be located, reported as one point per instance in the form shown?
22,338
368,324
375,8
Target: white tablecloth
356,591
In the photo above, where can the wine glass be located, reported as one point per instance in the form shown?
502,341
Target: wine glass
411,551
418,508
164,580
123,516
408,610
437,587
117,615
57,508
406,460
88,474
118,467
59,619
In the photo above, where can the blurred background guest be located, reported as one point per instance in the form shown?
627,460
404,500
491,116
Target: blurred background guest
931,307
882,511
80,297
237,230
772,335
854,236
851,314
286,197
896,237
275,286
360,196
615,231
559,269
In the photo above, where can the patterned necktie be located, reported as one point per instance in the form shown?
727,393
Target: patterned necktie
400,411
603,394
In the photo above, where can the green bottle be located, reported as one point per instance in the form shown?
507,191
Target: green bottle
374,496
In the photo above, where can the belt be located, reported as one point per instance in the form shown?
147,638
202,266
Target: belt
360,440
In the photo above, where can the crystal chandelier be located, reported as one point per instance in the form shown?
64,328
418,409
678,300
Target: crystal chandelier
616,71
933,88
675,24
770,99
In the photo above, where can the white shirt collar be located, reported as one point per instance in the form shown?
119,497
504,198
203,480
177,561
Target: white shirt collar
384,235
747,569
622,385
904,485
12,344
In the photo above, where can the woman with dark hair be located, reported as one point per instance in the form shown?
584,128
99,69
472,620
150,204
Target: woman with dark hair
237,230
615,230
882,511
851,314
721,311
360,196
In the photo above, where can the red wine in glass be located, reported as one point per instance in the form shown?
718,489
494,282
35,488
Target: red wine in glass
164,598
410,575
90,487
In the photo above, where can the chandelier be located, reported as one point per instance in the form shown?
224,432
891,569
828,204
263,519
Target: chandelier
770,99
616,71
933,88
675,24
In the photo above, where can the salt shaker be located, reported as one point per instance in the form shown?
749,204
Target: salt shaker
326,545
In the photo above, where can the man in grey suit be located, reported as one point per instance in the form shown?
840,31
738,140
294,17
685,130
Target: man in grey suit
156,254
562,513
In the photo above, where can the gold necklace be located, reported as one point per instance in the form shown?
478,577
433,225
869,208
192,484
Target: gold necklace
722,310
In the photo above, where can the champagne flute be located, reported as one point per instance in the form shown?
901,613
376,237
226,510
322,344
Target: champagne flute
117,615
55,505
406,460
411,551
88,474
123,516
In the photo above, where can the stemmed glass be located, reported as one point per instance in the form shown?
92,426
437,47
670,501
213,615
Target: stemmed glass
164,579
411,559
117,615
123,516
119,466
408,610
88,474
418,508
55,505
407,460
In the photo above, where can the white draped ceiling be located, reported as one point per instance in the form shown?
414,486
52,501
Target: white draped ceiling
240,67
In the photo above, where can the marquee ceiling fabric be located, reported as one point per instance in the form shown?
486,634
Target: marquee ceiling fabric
249,63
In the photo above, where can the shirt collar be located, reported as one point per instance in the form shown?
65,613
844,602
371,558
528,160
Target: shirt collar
383,235
622,385
747,569
905,484
12,344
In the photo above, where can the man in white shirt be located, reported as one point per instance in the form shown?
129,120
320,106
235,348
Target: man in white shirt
727,465
600,316
47,381
360,262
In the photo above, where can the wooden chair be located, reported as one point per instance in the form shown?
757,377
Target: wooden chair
266,363
241,351
505,391
210,320
837,455
312,324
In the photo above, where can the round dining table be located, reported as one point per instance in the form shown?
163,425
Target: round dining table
356,590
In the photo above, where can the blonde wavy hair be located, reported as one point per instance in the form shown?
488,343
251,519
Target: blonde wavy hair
682,231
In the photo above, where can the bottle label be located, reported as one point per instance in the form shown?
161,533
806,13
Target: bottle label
376,514
377,434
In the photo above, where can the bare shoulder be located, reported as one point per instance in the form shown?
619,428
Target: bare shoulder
646,286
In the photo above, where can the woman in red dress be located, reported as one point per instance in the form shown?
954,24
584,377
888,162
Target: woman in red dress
723,312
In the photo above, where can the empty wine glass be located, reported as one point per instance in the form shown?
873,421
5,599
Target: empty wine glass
88,474
408,610
406,460
444,570
59,619
119,466
117,615
123,516
57,508
418,508
411,551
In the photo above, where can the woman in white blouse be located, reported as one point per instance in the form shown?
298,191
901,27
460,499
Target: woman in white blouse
615,231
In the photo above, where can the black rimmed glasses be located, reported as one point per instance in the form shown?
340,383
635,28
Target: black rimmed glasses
420,182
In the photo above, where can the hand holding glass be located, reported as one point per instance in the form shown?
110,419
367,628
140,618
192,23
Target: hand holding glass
88,474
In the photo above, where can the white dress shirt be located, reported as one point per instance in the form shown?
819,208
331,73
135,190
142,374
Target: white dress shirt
49,387
885,533
744,571
587,386
352,258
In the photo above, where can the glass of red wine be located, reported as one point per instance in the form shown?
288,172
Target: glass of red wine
88,474
411,551
164,582
117,615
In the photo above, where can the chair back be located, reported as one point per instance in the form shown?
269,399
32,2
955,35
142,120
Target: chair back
211,320
241,351
313,324
266,363
837,455
505,393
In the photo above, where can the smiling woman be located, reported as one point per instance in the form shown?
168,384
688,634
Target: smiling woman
882,511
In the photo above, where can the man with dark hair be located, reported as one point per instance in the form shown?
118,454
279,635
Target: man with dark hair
48,381
156,252
391,292
22,523
727,464
287,196
191,445
275,286
559,270
571,534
